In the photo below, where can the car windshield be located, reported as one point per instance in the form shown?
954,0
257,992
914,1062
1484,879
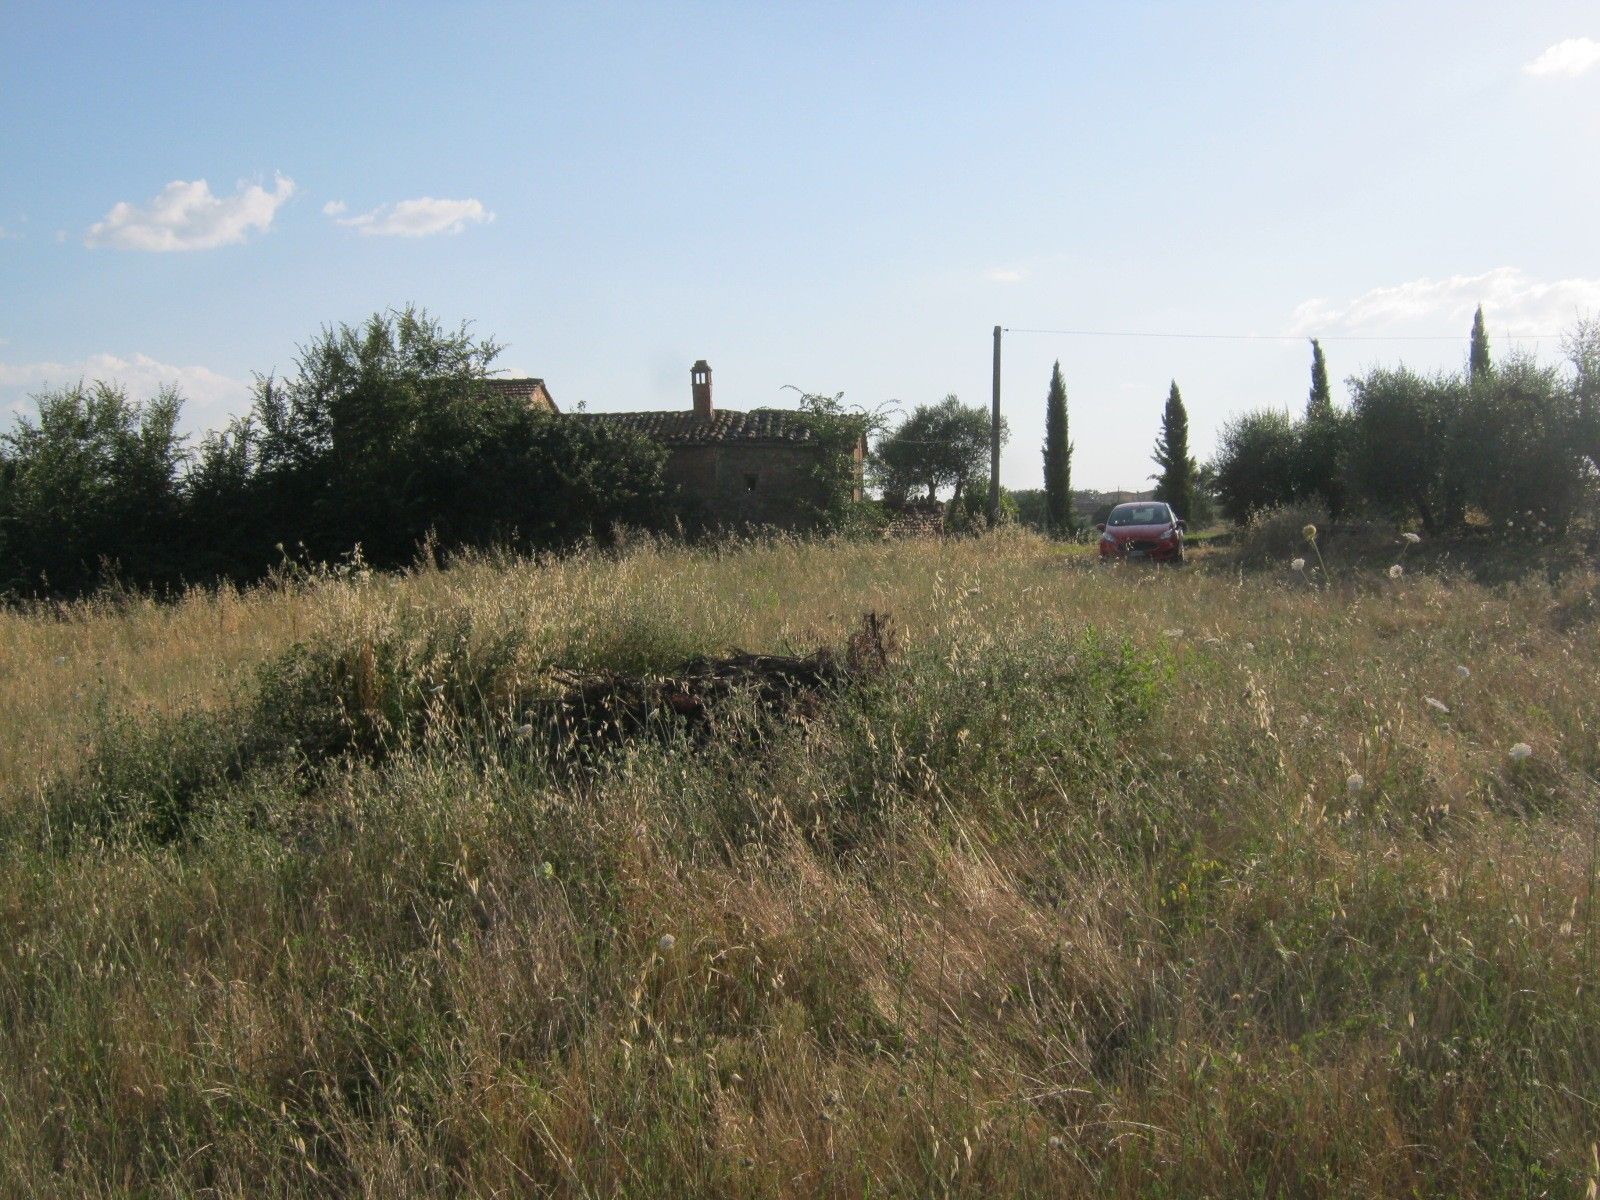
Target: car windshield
1139,514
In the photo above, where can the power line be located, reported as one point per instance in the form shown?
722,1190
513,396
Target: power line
1280,337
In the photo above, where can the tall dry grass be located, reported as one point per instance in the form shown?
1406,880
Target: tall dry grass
1078,899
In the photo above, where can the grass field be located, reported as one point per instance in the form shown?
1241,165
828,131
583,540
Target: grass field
1117,882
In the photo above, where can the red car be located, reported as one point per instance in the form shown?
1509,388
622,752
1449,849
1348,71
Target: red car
1147,529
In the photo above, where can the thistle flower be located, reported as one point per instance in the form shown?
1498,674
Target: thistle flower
1298,564
1396,571
1310,532
666,943
1355,783
1520,751
1411,538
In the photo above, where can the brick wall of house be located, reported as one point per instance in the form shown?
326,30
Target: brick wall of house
744,484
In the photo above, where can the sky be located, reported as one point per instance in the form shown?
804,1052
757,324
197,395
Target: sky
834,197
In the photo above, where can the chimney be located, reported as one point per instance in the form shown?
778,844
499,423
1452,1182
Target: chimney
700,377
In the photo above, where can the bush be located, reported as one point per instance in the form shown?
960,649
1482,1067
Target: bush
1276,536
1255,463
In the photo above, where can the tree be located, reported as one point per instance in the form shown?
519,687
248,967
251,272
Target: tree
1060,517
1403,426
1478,356
1516,453
937,446
1582,348
1321,436
1175,484
387,433
1254,467
1320,399
90,492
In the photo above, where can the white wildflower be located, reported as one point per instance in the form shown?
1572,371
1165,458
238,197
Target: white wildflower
666,943
1396,571
1310,532
1298,564
1521,751
1355,783
523,731
1463,672
1411,538
1436,705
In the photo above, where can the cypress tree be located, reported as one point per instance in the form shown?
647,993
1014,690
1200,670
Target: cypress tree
1175,484
1478,358
1057,458
1320,401
1320,442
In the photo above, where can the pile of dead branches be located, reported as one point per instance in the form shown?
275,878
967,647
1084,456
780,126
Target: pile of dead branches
602,708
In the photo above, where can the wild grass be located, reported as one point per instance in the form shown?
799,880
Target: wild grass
1079,898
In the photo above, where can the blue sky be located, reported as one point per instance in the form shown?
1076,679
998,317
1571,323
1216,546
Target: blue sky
843,197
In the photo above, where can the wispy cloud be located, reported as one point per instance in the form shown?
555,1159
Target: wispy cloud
211,396
1005,274
187,216
1573,56
1515,303
422,217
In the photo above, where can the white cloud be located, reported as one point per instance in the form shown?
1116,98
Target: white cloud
186,216
333,208
422,217
210,397
1514,304
1005,275
1571,57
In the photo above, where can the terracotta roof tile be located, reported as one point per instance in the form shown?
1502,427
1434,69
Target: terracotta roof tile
687,428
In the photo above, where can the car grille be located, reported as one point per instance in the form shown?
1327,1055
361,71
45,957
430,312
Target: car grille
1145,544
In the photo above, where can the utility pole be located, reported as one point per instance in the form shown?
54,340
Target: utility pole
994,439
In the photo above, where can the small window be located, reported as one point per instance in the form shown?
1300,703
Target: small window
749,483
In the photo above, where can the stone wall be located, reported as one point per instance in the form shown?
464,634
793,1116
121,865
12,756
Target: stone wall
743,485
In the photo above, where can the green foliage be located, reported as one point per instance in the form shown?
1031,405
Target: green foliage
1516,446
1255,463
1175,484
89,492
383,437
1061,519
386,433
1320,399
1478,365
1582,348
969,512
1321,443
939,445
1400,456
833,502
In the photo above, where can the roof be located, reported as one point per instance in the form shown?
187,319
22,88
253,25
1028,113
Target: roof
519,389
684,427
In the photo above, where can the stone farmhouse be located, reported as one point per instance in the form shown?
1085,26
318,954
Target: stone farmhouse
730,469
